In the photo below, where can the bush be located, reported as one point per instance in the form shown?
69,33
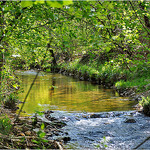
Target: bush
145,103
5,125
10,101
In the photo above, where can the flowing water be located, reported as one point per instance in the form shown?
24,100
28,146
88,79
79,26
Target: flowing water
58,92
95,116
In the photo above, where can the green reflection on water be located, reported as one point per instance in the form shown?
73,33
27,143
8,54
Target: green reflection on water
58,92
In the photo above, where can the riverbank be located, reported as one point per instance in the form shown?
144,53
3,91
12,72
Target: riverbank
73,130
134,84
49,130
28,132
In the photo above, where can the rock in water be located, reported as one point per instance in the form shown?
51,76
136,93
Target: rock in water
130,120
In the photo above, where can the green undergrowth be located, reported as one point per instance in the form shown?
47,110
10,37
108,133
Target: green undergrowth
139,80
140,84
113,73
145,103
106,72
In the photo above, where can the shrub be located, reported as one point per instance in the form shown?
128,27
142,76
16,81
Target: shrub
10,101
5,125
145,103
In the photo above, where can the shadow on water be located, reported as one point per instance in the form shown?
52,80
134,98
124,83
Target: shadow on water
58,92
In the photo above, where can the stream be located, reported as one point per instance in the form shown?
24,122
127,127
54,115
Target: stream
95,117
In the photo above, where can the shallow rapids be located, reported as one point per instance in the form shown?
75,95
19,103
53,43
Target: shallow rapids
110,130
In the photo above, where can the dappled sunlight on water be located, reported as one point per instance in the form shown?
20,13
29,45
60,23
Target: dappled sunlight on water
58,92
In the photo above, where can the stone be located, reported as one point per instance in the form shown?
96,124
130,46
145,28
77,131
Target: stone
95,116
66,139
130,120
99,116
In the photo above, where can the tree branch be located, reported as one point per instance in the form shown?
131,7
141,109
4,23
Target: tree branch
142,142
139,18
17,117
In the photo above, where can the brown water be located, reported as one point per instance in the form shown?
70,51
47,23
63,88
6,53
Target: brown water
57,92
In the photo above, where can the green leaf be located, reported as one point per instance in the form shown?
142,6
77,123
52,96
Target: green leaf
42,134
15,86
35,141
39,113
56,4
44,140
42,126
26,3
67,2
39,1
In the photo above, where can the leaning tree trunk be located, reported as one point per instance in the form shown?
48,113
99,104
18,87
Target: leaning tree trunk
1,34
54,63
146,19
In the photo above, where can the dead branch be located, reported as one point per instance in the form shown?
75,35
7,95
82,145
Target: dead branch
142,142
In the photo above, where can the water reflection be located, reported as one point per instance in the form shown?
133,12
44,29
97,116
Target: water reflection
58,92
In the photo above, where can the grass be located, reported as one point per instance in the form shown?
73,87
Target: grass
141,84
139,79
106,72
114,73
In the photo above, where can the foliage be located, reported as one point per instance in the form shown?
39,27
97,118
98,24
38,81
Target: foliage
109,72
9,86
10,101
41,136
139,79
113,35
103,144
81,28
57,4
145,103
5,125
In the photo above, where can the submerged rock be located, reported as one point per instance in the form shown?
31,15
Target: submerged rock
95,116
66,139
99,116
130,120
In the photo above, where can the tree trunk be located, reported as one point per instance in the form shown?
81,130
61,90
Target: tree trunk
54,63
1,34
146,19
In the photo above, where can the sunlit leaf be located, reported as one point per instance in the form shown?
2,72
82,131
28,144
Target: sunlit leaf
35,141
42,134
11,77
56,4
59,4
26,3
67,2
44,140
15,86
42,126
39,1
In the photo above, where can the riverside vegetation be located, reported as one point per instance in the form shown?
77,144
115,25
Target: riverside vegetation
103,42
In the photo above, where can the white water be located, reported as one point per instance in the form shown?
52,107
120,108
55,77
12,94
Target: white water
108,129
